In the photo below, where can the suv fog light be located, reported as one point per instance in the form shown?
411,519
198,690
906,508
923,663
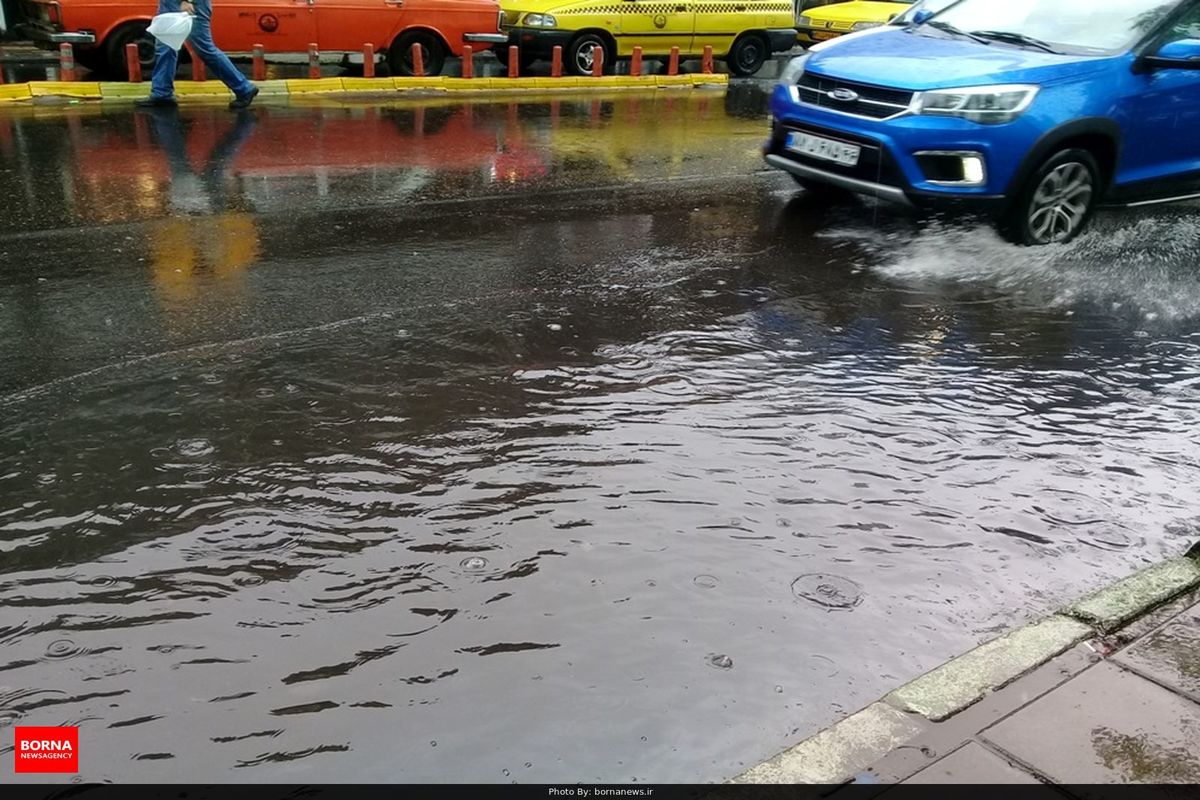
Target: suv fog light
952,167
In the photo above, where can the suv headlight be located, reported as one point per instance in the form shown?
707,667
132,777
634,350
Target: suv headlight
540,20
792,71
984,104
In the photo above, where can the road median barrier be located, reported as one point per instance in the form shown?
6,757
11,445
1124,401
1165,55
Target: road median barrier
208,90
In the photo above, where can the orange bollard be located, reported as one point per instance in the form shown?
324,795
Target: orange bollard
314,61
556,62
66,62
673,63
635,63
368,60
260,63
514,61
707,64
418,61
597,62
133,64
468,61
199,73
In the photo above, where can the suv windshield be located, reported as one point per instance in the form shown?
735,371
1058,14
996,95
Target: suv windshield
1068,26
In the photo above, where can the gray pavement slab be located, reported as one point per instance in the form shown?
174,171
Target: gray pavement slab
972,763
1170,655
1106,726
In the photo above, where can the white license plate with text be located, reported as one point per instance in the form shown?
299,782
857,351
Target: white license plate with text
826,149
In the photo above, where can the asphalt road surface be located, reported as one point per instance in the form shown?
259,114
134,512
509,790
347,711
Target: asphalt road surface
551,440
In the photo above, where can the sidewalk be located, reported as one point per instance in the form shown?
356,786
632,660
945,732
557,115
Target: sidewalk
1107,691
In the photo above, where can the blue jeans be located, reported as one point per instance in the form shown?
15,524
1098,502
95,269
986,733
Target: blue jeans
166,59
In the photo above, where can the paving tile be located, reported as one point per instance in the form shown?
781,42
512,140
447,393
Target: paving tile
971,764
1106,726
1170,654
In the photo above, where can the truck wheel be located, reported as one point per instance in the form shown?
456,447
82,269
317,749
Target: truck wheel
114,48
747,55
433,53
581,54
1056,202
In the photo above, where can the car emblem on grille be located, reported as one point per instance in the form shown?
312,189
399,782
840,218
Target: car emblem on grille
842,94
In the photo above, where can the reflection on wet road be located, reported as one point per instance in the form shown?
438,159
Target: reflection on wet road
346,443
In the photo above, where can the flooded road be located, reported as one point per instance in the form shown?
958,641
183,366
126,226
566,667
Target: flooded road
343,443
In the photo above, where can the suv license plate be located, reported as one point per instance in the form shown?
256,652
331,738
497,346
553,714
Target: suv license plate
826,149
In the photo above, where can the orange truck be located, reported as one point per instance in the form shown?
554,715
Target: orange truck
100,29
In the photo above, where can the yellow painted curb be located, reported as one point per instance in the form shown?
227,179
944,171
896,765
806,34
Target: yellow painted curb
185,89
467,84
714,79
65,89
16,91
272,87
368,84
124,91
418,83
514,83
559,83
310,85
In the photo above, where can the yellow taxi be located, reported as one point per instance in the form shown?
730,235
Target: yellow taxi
820,20
743,33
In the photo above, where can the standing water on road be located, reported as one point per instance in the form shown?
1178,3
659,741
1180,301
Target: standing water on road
416,462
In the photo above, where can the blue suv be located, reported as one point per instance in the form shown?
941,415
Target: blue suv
1035,110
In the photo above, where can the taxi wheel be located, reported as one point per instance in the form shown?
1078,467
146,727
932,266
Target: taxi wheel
433,53
581,54
114,49
747,55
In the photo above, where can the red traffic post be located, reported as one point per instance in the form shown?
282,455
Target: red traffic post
597,62
673,62
556,62
468,61
66,62
707,64
514,61
635,63
199,73
314,61
418,61
259,72
368,60
133,64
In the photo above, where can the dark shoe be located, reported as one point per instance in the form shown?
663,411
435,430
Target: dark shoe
154,101
244,100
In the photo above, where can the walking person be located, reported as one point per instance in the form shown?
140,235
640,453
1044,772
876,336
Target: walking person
162,85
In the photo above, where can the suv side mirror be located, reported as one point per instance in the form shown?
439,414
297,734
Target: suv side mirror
922,16
1181,54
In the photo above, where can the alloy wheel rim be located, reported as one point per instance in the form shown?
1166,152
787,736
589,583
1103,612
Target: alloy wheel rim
585,57
1060,203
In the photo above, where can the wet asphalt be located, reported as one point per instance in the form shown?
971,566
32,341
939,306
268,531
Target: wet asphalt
540,440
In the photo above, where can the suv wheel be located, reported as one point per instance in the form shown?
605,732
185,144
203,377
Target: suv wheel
1057,201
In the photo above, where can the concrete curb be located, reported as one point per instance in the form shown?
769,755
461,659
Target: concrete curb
851,745
214,90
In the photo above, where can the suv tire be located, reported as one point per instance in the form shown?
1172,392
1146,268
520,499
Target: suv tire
1056,202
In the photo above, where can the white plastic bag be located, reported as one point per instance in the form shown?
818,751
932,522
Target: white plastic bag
172,28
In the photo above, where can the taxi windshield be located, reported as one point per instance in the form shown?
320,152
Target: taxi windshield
1066,26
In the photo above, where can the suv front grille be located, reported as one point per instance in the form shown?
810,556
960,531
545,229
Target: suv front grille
863,100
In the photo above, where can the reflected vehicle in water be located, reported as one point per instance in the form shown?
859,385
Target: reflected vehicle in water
100,29
1034,112
392,148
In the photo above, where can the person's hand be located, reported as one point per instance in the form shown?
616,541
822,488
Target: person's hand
188,7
